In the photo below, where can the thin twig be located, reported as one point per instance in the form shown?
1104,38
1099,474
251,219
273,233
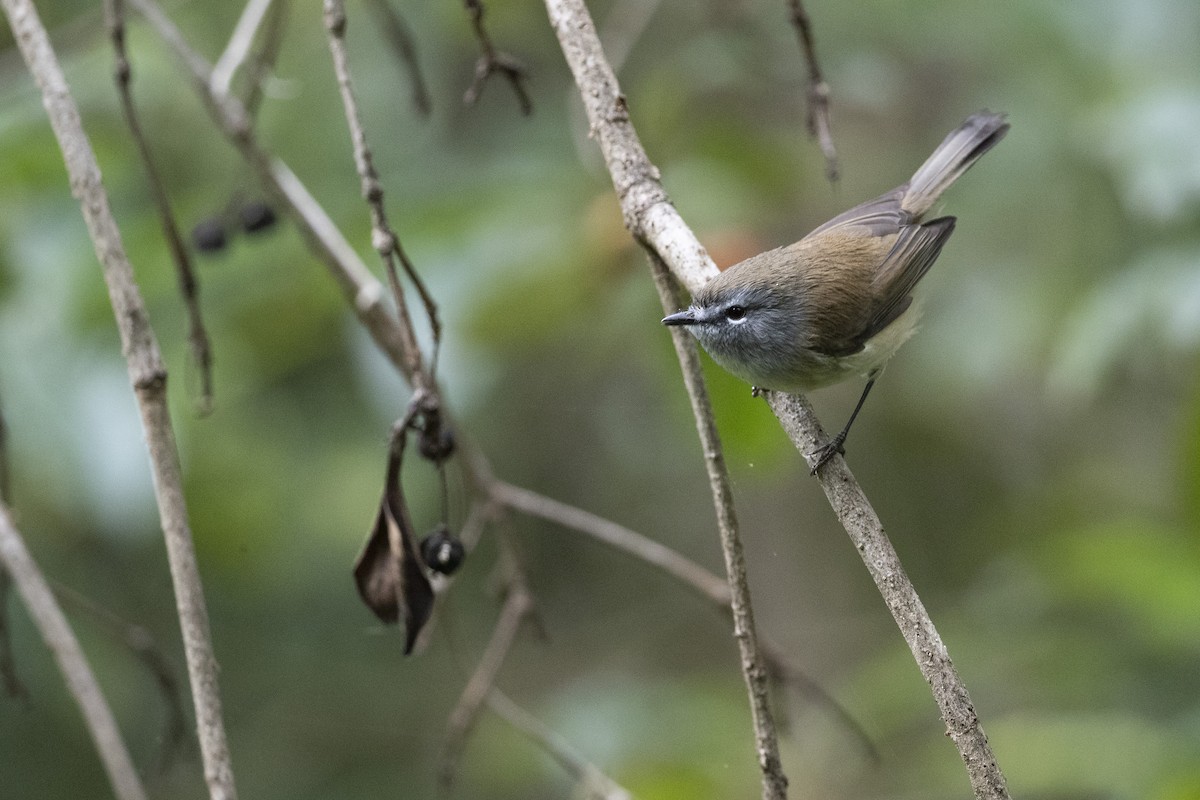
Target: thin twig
56,632
517,605
593,783
642,547
492,61
189,286
396,31
766,738
238,48
383,237
651,218
818,90
148,376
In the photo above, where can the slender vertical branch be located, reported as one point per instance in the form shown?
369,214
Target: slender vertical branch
148,376
56,633
385,240
819,126
189,286
651,219
753,670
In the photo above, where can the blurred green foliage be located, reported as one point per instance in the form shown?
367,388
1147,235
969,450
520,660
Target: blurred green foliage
1035,452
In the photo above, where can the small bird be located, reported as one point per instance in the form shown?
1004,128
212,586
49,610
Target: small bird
837,303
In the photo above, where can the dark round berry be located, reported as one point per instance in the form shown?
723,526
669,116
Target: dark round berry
256,216
437,446
209,235
442,551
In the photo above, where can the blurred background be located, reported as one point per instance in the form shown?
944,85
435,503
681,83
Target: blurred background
1034,452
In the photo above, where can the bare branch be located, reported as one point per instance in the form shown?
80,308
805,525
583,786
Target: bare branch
238,48
593,783
492,61
818,90
386,242
651,218
188,285
56,633
517,605
393,27
149,379
766,738
618,536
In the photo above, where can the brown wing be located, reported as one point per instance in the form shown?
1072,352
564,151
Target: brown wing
914,252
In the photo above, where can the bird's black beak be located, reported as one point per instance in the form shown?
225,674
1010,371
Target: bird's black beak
687,317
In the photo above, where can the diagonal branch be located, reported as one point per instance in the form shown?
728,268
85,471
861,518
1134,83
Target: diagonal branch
238,49
148,376
652,219
56,632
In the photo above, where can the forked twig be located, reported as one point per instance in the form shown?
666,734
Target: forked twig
492,61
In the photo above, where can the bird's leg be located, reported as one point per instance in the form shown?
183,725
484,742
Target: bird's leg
836,444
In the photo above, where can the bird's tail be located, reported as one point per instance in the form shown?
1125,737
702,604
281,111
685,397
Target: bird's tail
954,156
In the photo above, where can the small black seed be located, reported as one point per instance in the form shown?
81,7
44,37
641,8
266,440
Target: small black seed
209,235
256,216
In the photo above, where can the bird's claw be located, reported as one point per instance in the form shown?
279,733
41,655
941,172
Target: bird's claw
822,455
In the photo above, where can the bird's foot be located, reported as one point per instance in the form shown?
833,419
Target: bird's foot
821,456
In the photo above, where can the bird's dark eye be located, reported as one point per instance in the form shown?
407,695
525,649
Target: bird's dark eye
734,313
